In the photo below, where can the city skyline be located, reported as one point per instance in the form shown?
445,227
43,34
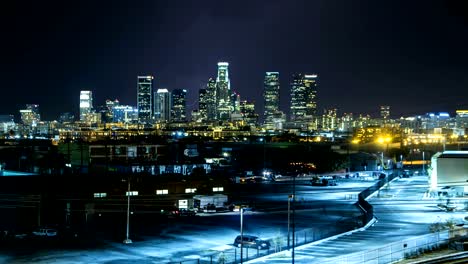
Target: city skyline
398,54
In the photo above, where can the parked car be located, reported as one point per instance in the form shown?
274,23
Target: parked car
252,242
187,212
45,232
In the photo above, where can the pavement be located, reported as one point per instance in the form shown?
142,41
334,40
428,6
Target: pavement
401,213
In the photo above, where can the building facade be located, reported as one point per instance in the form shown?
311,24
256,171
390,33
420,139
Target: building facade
202,106
211,101
86,105
144,98
303,97
271,95
223,92
179,98
30,116
162,105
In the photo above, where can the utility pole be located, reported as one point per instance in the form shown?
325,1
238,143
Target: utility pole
241,210
128,240
293,218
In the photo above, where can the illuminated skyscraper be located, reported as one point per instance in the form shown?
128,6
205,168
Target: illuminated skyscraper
271,95
247,111
211,101
223,92
202,105
303,97
86,105
144,98
384,111
162,105
179,105
30,116
235,103
329,120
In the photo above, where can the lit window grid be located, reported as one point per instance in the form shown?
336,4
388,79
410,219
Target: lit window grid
162,192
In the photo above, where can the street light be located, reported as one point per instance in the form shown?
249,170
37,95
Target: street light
127,239
382,162
241,210
423,167
291,196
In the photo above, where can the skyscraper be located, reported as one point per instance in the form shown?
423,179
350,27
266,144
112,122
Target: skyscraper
144,98
202,104
211,101
271,95
162,105
247,111
179,105
384,111
30,116
86,105
303,97
223,92
235,103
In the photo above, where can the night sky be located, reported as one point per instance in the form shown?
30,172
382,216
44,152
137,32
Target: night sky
411,55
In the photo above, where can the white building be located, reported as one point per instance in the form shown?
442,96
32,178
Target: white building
449,169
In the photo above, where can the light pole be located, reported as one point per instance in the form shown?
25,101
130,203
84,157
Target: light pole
241,210
127,239
289,213
423,167
382,162
293,218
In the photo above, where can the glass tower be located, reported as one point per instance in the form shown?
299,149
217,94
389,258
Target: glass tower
86,105
211,102
223,91
202,104
179,105
303,96
271,94
162,105
144,100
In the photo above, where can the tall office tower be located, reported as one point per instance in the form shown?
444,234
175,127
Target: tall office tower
86,105
211,102
247,111
235,103
202,105
162,105
223,92
303,97
271,95
144,98
384,111
106,110
329,121
179,105
30,116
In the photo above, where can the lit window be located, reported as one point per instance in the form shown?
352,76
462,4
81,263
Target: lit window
162,192
131,193
190,190
218,189
100,195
